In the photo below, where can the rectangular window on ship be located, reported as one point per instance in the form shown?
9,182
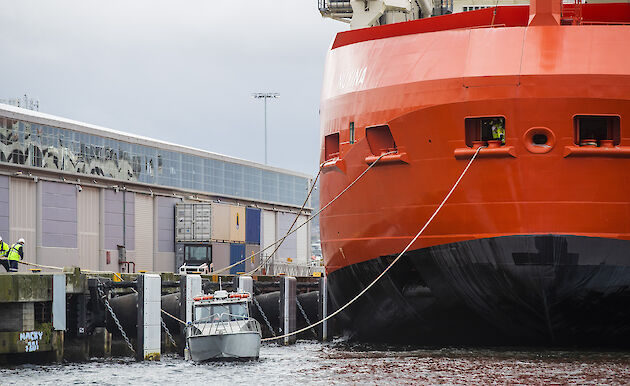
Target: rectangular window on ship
594,130
480,130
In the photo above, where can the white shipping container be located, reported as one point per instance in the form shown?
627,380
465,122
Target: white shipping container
268,230
287,251
302,242
193,222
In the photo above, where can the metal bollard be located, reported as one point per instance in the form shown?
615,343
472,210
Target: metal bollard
149,313
288,289
323,308
246,284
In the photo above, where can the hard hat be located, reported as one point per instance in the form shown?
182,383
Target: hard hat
21,241
0,238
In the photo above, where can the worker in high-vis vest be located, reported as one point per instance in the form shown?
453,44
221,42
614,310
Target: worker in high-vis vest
16,253
4,251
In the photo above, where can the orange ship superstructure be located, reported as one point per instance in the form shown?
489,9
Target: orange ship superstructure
534,245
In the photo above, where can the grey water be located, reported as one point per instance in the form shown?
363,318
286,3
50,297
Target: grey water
342,363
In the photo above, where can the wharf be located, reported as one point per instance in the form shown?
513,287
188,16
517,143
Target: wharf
76,315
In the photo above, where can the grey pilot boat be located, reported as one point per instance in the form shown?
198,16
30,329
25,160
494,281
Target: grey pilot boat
222,328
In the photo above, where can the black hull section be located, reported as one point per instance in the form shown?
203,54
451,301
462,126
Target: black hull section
539,290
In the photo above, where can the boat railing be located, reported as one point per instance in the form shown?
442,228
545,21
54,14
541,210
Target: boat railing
223,323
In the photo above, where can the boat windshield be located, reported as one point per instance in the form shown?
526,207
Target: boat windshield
238,311
221,312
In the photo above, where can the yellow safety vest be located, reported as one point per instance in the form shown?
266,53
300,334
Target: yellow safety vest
4,249
14,252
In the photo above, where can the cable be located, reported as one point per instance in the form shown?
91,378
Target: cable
280,240
326,206
390,265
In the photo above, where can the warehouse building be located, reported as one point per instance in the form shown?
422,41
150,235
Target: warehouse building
83,195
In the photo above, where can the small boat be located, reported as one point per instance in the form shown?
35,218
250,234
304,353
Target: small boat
222,328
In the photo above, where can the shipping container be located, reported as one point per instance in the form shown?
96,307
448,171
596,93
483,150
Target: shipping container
252,226
287,252
193,222
268,231
303,245
220,225
220,255
237,253
253,261
237,223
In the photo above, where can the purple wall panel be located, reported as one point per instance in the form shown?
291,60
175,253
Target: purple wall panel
4,208
114,219
166,224
59,215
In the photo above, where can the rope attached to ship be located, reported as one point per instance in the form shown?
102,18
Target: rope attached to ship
390,265
321,210
279,242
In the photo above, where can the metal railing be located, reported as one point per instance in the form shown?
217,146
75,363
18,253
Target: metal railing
216,324
336,9
275,268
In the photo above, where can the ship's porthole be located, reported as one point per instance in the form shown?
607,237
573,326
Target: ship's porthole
539,140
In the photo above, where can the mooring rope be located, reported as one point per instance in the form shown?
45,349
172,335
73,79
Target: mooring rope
174,317
280,241
389,266
322,209
40,265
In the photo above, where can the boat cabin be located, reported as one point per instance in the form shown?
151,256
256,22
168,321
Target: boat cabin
221,307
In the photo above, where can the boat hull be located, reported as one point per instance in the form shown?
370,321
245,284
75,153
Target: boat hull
245,345
530,290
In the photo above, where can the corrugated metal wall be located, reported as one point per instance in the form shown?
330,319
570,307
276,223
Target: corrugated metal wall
114,219
166,224
288,249
88,204
23,215
302,241
130,212
237,223
4,208
59,215
268,230
252,226
144,232
237,253
220,255
220,222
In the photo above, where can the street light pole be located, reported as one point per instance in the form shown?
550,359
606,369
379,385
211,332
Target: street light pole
265,96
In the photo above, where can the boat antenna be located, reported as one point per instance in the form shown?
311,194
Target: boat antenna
220,288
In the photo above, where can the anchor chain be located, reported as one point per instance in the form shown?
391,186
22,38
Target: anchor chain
308,322
111,311
264,316
168,333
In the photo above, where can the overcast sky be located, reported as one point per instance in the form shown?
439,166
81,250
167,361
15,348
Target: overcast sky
179,71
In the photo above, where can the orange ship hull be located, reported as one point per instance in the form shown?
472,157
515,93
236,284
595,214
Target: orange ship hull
528,218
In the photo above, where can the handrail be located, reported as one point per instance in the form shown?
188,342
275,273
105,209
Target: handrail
246,324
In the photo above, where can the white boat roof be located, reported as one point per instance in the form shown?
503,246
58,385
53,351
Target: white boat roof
10,111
